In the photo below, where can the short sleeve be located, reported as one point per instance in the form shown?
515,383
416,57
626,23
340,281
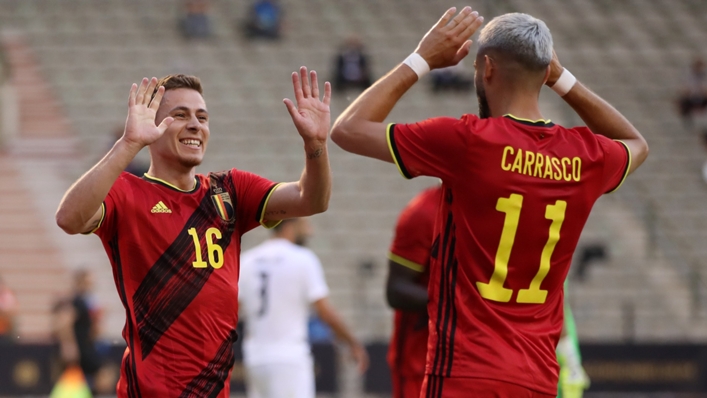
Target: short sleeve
317,288
433,147
414,232
107,225
252,193
617,162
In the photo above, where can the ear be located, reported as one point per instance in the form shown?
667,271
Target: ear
547,74
489,68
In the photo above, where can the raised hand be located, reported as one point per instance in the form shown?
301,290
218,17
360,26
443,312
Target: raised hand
555,70
311,115
448,42
140,127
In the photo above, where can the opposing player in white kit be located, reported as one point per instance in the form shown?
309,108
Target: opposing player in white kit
280,280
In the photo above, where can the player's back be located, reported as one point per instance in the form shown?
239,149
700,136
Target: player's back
275,296
517,195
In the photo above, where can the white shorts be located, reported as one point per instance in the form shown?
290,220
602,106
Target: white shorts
282,380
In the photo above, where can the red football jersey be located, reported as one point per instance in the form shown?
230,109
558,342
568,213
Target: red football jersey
411,248
517,194
175,258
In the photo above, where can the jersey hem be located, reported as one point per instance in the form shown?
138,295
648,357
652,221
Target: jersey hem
389,131
263,206
100,222
628,167
405,262
549,392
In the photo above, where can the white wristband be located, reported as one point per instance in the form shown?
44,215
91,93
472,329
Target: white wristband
564,84
417,64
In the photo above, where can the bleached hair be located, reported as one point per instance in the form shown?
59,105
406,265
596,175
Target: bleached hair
521,36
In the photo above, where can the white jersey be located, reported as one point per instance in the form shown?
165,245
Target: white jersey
278,282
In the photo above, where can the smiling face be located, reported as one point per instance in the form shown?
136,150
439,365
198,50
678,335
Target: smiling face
184,143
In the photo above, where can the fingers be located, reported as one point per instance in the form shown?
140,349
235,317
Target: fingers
155,103
297,86
459,20
446,17
327,93
141,91
131,96
315,84
165,124
306,90
473,26
148,92
291,108
462,52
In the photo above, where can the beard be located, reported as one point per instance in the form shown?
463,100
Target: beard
484,110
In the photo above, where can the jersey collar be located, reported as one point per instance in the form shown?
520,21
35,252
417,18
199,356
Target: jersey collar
538,123
162,182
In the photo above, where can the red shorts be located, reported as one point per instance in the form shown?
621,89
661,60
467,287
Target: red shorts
406,386
462,387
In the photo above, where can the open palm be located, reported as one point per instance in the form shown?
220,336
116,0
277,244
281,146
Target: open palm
311,115
140,127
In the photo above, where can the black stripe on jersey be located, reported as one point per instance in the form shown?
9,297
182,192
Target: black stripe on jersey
435,384
394,148
261,207
211,380
439,349
133,386
172,282
452,265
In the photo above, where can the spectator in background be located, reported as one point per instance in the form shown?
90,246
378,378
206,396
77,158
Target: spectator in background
693,96
352,68
8,310
264,20
196,23
76,326
451,78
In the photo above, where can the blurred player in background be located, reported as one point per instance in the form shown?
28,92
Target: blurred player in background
77,325
280,280
406,291
573,378
173,237
517,192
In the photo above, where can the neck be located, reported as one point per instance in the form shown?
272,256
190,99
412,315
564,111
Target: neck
182,179
522,105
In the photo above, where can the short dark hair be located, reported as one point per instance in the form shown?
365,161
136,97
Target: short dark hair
173,82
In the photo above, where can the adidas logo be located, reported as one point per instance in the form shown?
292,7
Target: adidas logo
160,208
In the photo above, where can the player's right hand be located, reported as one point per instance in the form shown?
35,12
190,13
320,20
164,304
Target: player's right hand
555,70
140,128
448,42
360,356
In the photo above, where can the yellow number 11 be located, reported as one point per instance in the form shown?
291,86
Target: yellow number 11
494,290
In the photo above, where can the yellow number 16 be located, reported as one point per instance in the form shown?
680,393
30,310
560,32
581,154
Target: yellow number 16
215,252
494,290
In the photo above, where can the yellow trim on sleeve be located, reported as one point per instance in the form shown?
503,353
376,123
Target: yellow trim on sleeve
149,177
100,222
270,224
405,262
628,166
392,152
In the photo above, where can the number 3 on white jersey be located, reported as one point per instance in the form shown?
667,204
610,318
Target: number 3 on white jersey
494,290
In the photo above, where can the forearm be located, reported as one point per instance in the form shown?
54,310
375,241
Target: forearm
406,296
373,106
315,182
337,325
83,199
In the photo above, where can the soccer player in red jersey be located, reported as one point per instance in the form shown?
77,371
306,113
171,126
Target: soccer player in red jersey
173,236
517,192
406,290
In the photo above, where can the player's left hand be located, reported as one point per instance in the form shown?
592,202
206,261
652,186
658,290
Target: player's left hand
311,115
360,356
448,42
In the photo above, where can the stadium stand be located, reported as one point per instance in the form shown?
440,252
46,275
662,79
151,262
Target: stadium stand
652,286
